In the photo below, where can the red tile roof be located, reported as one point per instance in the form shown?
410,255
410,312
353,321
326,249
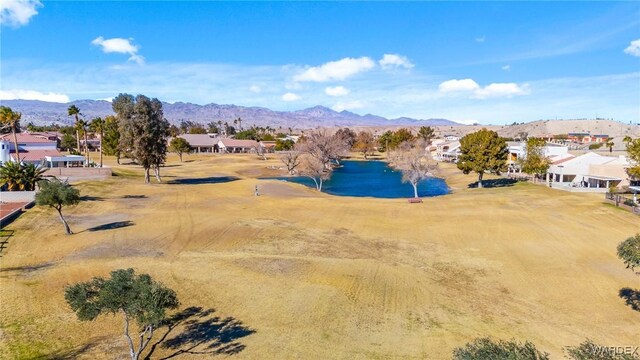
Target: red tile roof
26,138
35,155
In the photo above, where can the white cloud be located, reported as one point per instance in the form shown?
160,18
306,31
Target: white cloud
506,68
121,46
255,89
634,48
138,59
493,90
33,95
394,61
481,39
458,85
290,97
108,99
349,105
501,90
18,12
336,70
337,91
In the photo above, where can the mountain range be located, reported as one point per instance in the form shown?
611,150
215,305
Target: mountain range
42,113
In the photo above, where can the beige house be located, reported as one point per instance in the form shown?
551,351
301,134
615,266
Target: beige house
237,146
589,171
201,143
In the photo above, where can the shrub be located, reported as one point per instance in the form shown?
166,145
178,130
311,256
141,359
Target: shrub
486,348
595,146
629,251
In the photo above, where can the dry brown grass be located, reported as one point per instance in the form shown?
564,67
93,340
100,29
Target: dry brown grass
319,276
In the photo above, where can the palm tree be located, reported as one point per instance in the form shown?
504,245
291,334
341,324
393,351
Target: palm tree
31,175
627,139
75,111
81,128
11,176
610,144
11,119
20,177
97,125
239,122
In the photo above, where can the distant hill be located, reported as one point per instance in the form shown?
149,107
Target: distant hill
550,127
41,112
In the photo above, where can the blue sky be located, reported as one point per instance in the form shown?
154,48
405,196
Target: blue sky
490,62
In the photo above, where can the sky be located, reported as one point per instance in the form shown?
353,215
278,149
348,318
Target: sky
485,62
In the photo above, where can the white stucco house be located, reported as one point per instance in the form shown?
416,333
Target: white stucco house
589,171
448,151
518,150
36,150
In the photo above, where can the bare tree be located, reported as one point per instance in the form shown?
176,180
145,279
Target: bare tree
347,136
340,147
325,148
319,146
291,159
414,162
315,169
260,151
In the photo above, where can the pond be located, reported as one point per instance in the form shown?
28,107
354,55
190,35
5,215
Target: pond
374,179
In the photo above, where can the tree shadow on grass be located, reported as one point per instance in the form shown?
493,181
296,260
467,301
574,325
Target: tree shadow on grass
494,183
29,268
631,297
71,354
134,196
205,180
201,333
91,198
112,225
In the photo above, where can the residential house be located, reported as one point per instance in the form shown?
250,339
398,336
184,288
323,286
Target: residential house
227,145
589,170
293,138
36,150
268,146
587,138
49,135
518,150
448,151
579,137
31,149
202,143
